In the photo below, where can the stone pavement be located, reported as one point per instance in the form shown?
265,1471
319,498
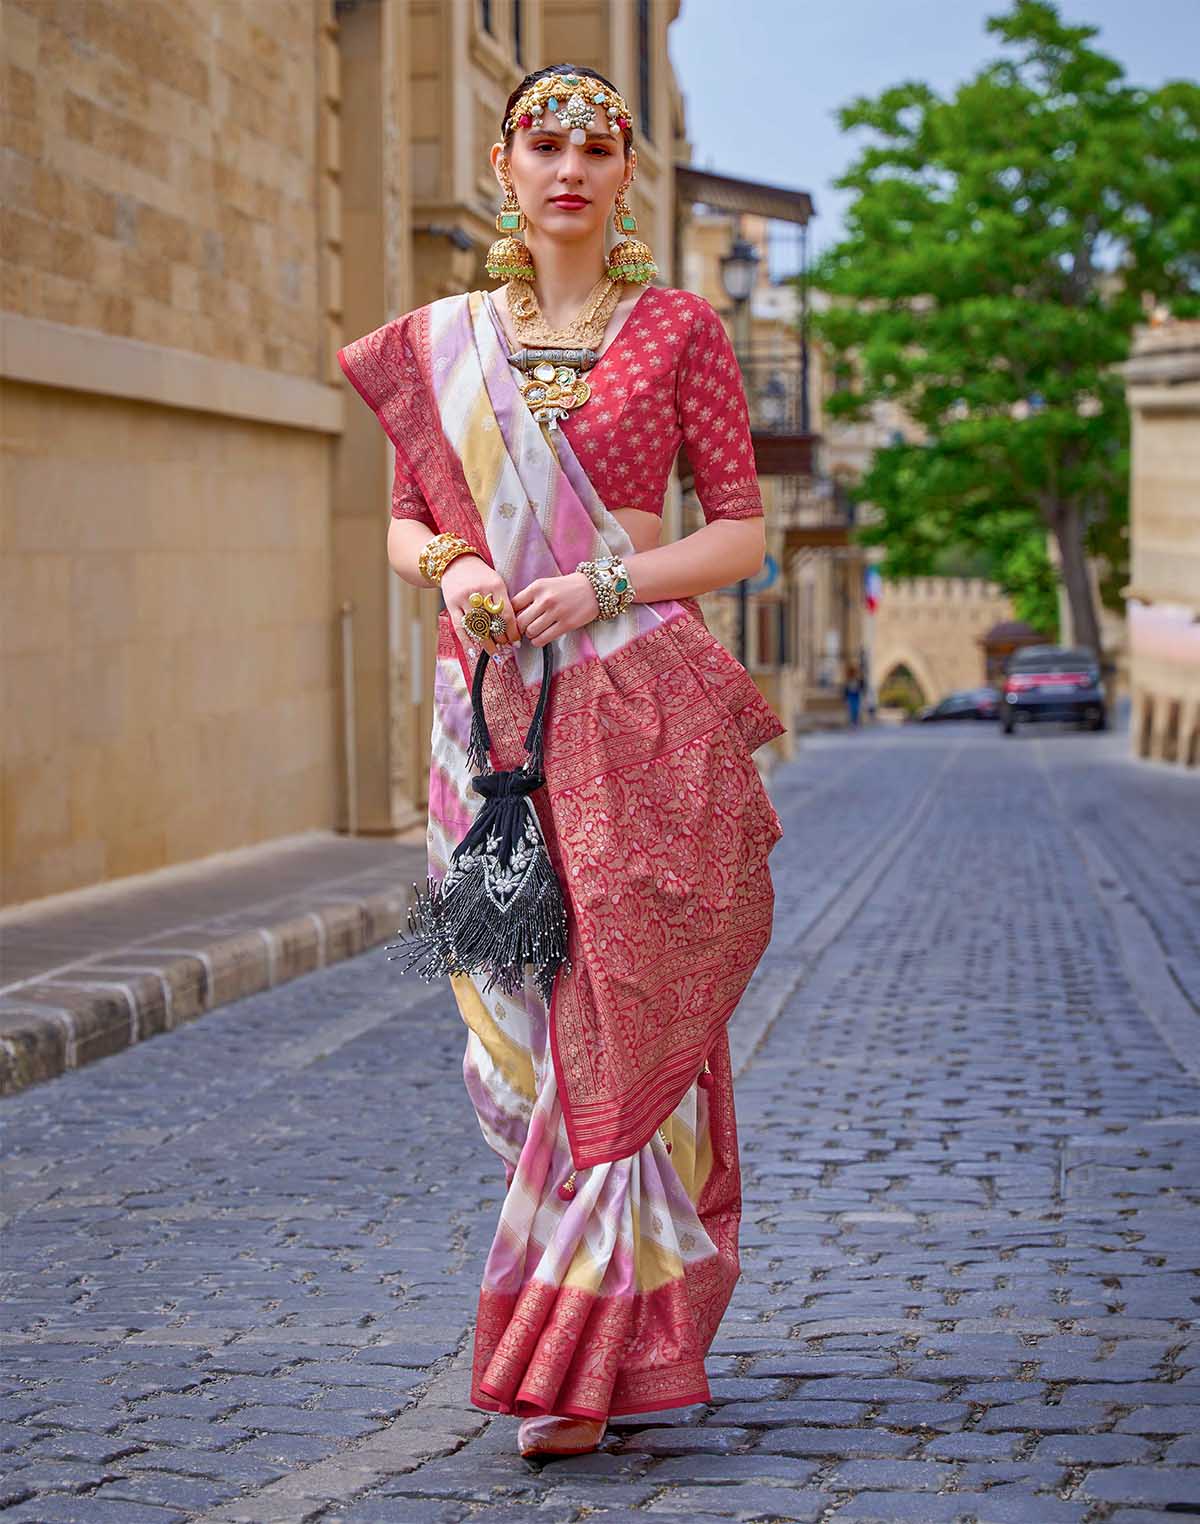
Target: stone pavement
243,1259
89,973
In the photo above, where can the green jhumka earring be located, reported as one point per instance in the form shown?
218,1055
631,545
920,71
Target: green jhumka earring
509,257
631,259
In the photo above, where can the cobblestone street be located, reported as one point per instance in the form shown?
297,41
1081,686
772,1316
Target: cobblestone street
242,1258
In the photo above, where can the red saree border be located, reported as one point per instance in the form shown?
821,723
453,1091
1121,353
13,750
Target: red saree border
391,370
581,1325
563,1350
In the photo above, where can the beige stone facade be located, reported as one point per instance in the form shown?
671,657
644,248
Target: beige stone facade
934,626
706,236
1163,387
200,203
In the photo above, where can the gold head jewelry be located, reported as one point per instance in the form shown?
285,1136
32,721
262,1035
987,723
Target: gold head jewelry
574,99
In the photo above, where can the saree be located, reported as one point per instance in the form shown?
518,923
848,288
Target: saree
656,820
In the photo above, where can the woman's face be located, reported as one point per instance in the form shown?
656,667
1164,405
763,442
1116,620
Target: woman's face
545,166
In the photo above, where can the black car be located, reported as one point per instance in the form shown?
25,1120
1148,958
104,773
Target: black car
965,704
1053,683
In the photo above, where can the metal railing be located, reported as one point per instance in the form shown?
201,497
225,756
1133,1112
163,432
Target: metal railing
777,392
806,501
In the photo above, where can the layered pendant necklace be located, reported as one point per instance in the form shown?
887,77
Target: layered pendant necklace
553,360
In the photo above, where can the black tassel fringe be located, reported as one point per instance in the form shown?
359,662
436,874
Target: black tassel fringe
464,931
458,924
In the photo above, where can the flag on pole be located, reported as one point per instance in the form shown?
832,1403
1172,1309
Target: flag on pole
872,588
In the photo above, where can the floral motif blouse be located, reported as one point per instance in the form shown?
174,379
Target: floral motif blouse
669,377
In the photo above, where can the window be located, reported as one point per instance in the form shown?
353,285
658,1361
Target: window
517,39
485,15
643,43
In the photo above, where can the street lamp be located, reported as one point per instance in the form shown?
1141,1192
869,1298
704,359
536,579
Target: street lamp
739,270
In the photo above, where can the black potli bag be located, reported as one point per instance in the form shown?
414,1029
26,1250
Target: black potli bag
500,905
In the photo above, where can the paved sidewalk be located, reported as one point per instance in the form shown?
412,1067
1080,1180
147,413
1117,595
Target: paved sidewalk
87,974
244,1259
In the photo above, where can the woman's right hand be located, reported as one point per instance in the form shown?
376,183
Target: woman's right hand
472,574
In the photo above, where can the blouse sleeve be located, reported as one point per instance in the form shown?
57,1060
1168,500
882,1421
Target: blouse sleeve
408,502
715,421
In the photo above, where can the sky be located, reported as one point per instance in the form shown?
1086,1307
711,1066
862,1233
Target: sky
762,79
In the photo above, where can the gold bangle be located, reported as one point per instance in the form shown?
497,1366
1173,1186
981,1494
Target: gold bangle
437,553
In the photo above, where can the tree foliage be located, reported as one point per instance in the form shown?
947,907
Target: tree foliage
1000,248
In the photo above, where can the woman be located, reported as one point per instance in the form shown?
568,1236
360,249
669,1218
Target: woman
519,417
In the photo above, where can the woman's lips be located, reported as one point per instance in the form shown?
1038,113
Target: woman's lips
569,203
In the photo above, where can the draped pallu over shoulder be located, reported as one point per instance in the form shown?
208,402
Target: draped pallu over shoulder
654,812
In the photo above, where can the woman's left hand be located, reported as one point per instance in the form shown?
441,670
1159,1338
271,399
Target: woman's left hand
550,606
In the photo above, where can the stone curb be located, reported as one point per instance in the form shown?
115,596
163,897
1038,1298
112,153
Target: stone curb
97,1007
104,1003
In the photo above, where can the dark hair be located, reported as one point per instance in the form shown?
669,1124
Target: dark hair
626,135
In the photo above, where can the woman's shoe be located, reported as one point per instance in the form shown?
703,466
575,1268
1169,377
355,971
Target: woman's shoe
547,1434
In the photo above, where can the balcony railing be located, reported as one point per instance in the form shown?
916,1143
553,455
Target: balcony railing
777,398
776,392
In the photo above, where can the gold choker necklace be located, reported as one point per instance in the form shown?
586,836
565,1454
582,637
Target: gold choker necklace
552,358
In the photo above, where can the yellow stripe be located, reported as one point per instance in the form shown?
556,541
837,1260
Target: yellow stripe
513,1062
481,446
483,452
653,1263
583,1273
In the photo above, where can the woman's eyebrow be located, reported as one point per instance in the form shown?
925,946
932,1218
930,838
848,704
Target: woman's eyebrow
548,132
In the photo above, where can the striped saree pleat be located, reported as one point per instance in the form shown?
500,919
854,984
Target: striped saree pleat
604,1303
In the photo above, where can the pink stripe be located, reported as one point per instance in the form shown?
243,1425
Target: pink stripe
446,805
572,533
453,703
511,1128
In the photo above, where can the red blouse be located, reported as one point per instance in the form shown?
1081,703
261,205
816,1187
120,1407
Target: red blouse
669,376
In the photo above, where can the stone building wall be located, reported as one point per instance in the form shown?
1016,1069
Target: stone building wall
199,203
1163,387
168,422
159,179
932,626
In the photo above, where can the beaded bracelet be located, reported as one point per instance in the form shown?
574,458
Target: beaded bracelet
436,554
611,584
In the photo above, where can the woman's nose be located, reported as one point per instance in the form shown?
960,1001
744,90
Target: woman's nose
571,165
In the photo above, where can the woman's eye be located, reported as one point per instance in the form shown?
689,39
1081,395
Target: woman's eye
537,147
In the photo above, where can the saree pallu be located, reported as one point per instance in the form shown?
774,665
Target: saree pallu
659,828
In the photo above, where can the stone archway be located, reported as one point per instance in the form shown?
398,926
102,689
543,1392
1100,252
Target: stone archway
934,627
909,661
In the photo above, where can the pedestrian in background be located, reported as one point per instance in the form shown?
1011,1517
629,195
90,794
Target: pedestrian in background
852,693
610,1103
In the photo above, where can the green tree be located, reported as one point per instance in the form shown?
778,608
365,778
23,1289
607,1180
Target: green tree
999,250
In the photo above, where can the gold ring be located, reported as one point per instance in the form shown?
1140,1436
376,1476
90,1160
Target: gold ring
477,622
493,605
